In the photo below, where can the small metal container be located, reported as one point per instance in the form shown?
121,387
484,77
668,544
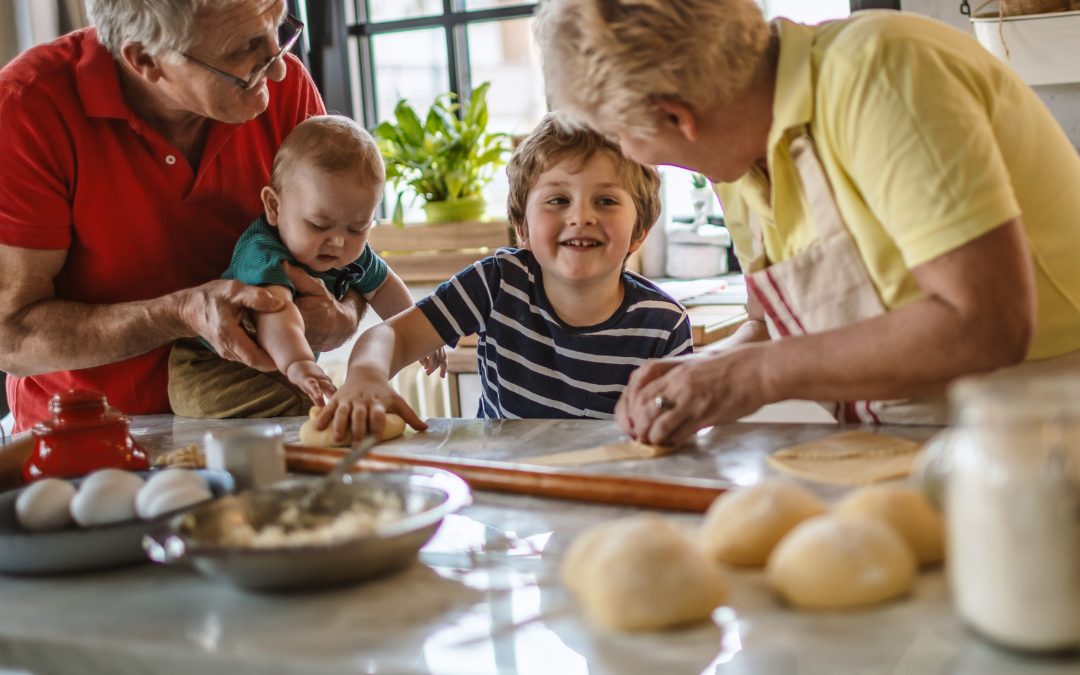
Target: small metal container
196,538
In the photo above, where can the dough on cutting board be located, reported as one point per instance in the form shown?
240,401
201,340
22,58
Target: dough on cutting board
395,426
742,527
832,562
642,573
907,510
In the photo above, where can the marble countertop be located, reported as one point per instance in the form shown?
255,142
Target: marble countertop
484,597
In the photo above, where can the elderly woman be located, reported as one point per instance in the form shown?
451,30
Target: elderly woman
134,153
905,208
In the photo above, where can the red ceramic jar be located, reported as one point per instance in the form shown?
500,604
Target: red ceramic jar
84,434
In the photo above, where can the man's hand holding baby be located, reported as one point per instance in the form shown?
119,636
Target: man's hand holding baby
215,310
327,322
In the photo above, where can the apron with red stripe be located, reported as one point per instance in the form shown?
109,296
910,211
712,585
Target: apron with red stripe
825,288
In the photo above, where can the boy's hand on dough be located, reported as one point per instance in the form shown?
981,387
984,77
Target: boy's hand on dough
361,405
436,360
312,380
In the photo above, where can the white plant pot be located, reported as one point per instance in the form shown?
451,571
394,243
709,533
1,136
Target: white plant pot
1042,48
696,261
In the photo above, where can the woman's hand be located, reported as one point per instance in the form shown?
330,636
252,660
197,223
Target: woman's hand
361,405
327,322
695,392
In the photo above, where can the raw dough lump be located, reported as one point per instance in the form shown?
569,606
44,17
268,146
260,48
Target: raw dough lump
742,527
395,426
642,573
908,511
840,561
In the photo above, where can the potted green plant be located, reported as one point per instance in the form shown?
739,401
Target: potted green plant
446,159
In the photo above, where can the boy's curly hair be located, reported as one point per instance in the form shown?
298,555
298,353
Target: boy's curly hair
555,141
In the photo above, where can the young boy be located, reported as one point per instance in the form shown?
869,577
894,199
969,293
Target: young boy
326,181
560,324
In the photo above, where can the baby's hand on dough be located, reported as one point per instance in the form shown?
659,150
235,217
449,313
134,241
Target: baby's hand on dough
312,380
436,360
361,406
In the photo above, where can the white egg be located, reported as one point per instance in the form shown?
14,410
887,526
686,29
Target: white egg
165,481
174,499
44,505
111,476
105,500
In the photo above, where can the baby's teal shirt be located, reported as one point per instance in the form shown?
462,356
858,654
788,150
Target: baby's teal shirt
258,255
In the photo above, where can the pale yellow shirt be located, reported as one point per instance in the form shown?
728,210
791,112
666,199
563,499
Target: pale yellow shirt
929,142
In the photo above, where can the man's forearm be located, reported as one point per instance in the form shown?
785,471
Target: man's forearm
50,335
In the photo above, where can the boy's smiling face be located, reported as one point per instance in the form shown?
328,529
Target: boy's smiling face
580,221
323,218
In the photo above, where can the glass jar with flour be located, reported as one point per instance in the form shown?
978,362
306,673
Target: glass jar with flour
1013,510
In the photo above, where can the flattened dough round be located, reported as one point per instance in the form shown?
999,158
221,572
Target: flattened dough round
831,562
395,426
742,527
907,510
642,573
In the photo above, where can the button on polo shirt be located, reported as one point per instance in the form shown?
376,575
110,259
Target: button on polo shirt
81,172
929,142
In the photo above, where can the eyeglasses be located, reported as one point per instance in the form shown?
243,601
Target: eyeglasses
288,33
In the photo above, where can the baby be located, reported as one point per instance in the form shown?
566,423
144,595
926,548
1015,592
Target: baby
326,182
560,323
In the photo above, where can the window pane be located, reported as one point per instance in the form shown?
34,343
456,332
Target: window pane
502,52
488,4
392,10
807,11
409,65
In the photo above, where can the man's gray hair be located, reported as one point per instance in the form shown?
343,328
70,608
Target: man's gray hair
161,26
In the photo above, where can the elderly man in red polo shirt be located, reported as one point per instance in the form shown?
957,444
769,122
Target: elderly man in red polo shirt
133,155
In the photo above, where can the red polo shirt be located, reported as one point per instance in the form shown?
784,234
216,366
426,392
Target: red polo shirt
79,171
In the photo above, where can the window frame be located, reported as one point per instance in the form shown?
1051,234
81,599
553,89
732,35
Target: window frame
455,20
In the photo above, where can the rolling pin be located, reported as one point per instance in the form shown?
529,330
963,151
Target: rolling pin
683,494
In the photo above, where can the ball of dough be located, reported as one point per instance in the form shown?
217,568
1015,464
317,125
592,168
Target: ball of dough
642,573
907,510
394,427
840,561
45,505
742,527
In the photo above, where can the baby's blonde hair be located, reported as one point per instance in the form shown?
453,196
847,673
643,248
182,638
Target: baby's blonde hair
553,142
332,143
607,61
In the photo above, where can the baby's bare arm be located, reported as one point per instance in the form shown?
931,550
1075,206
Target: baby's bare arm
391,297
281,334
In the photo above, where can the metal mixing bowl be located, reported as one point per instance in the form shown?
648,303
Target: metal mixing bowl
196,538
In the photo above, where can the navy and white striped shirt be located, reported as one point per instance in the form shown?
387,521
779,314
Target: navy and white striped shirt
531,363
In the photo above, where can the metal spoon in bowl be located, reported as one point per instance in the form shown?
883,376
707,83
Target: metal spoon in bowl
335,474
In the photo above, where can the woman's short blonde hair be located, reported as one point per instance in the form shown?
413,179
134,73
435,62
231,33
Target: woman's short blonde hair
331,143
553,142
607,61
